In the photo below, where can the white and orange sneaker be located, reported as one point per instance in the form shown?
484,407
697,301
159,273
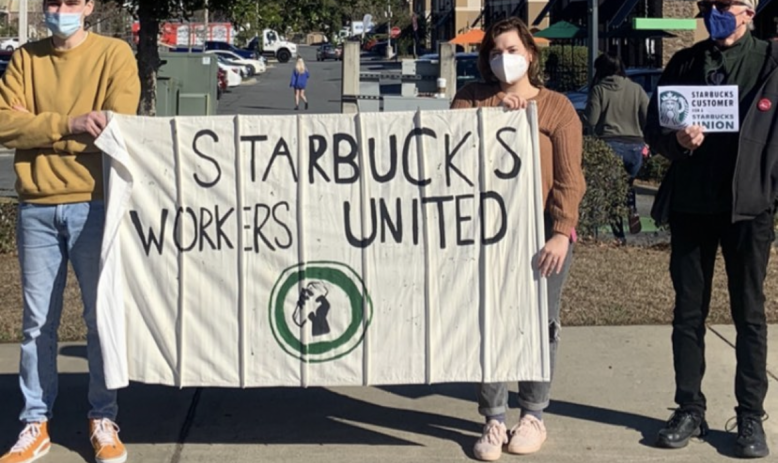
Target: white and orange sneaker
33,443
489,446
527,436
104,435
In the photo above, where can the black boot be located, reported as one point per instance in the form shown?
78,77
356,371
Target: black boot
751,441
681,427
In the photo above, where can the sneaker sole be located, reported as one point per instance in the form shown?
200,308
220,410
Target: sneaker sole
666,444
487,457
119,459
526,450
42,454
740,453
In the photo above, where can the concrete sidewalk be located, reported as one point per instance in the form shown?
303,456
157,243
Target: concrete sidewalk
612,393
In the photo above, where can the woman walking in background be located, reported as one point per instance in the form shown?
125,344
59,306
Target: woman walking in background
509,64
299,81
616,113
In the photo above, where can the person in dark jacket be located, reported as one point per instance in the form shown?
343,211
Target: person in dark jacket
616,113
721,189
299,81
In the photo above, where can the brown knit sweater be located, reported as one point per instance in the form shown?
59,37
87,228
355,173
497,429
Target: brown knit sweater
561,148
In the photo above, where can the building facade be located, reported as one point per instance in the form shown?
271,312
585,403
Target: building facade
447,18
452,17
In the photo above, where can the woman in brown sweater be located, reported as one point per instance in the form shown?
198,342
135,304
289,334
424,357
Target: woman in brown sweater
508,62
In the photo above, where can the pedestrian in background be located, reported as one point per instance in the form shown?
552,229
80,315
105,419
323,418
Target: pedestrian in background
616,113
721,190
53,99
299,81
510,66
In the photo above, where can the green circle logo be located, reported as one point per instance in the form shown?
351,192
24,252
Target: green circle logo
319,311
673,109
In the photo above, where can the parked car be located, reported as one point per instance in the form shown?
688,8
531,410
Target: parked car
10,44
467,67
242,70
233,75
327,51
221,82
379,48
216,45
254,66
645,77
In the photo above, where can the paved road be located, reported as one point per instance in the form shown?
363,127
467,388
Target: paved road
271,94
610,396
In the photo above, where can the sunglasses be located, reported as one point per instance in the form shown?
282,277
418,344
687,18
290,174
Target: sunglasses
720,6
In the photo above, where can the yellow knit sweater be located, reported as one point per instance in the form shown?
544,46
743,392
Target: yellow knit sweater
52,165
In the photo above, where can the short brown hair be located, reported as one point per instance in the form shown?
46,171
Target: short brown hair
487,45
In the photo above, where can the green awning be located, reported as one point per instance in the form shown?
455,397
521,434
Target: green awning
561,30
666,24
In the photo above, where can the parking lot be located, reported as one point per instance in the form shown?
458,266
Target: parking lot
270,94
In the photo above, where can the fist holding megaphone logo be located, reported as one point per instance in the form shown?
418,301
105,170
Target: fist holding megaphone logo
313,306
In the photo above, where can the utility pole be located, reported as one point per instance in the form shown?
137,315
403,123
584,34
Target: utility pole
23,23
207,30
388,30
594,39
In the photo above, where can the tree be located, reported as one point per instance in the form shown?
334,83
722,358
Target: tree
110,19
149,14
248,16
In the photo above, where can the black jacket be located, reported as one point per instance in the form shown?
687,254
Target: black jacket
755,180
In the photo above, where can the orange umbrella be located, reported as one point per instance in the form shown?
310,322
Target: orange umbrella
473,36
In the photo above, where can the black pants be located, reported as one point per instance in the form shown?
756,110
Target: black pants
746,249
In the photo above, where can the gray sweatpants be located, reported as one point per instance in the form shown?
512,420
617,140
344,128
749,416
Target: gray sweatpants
533,395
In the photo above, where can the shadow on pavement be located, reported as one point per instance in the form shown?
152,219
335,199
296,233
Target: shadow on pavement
646,426
77,351
156,414
315,416
165,415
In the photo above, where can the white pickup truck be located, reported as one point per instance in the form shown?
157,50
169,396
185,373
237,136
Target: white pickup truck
274,45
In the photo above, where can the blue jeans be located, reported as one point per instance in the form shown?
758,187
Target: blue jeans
48,236
631,155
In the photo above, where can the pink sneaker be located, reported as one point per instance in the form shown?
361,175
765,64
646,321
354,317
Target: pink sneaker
489,446
527,436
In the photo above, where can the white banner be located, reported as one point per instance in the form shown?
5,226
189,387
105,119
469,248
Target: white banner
323,250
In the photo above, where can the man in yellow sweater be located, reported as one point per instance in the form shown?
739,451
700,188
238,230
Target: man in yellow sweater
53,99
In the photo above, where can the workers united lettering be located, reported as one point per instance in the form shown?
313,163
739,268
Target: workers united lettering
333,161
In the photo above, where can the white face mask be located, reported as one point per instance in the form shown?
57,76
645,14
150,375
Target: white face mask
509,68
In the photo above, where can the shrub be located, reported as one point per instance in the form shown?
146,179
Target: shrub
606,187
7,227
566,67
654,168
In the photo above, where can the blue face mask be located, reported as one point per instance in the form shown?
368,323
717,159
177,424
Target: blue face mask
63,25
720,24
